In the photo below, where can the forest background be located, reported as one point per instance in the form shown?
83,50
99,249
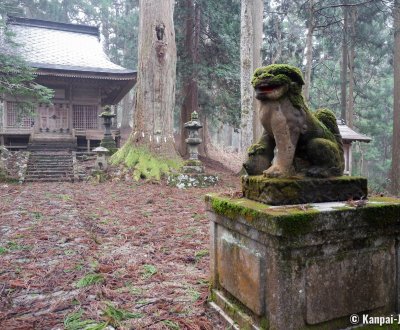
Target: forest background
345,47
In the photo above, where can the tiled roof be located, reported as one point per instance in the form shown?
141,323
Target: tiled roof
62,46
348,134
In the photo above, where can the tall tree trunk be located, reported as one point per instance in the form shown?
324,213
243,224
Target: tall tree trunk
155,89
191,57
309,50
258,10
395,177
248,52
278,30
352,56
127,108
343,71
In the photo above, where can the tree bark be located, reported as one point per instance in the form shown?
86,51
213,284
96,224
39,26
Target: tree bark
191,58
257,9
155,89
309,50
250,50
126,111
352,56
343,72
278,54
395,170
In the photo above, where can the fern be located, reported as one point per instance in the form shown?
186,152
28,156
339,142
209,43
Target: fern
114,315
73,321
89,279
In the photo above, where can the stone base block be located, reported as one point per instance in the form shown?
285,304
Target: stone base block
193,169
191,180
303,190
296,267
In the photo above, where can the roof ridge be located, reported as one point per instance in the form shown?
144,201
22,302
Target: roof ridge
70,27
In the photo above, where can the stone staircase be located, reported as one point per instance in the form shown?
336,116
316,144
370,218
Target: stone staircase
49,166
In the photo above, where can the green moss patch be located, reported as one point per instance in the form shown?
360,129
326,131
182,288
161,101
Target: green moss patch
288,221
279,72
142,163
296,220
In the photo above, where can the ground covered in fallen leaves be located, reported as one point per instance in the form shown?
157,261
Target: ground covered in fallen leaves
126,255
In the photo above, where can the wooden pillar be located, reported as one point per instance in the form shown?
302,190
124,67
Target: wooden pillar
88,145
70,112
350,160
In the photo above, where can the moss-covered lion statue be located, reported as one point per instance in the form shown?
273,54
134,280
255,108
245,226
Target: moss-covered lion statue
295,141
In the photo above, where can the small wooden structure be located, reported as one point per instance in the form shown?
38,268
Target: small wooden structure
348,137
70,60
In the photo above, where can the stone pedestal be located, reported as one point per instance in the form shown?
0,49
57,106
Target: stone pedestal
307,266
287,191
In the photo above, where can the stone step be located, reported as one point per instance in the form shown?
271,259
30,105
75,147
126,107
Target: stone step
49,180
42,164
49,156
61,147
49,165
52,145
50,161
49,174
61,162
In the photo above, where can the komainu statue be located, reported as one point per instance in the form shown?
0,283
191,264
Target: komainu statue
295,141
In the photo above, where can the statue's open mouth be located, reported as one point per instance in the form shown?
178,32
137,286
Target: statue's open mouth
266,88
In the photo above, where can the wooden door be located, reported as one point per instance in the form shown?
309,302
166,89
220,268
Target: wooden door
54,119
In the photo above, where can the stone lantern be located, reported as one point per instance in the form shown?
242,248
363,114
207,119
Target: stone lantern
193,165
193,174
101,158
108,141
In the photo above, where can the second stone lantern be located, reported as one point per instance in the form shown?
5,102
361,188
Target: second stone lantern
193,164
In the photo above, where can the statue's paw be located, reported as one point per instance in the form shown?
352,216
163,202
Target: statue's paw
274,172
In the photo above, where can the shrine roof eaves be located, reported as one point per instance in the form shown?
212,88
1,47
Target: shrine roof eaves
62,46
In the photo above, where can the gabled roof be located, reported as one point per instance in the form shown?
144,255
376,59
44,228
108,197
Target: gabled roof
350,135
63,47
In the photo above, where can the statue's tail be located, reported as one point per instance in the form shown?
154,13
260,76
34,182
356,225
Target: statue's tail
327,117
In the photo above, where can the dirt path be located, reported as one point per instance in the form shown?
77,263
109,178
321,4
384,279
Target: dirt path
113,255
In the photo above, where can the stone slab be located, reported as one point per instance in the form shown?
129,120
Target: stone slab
240,271
289,191
361,282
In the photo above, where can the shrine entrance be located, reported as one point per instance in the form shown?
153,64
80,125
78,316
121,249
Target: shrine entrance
54,119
